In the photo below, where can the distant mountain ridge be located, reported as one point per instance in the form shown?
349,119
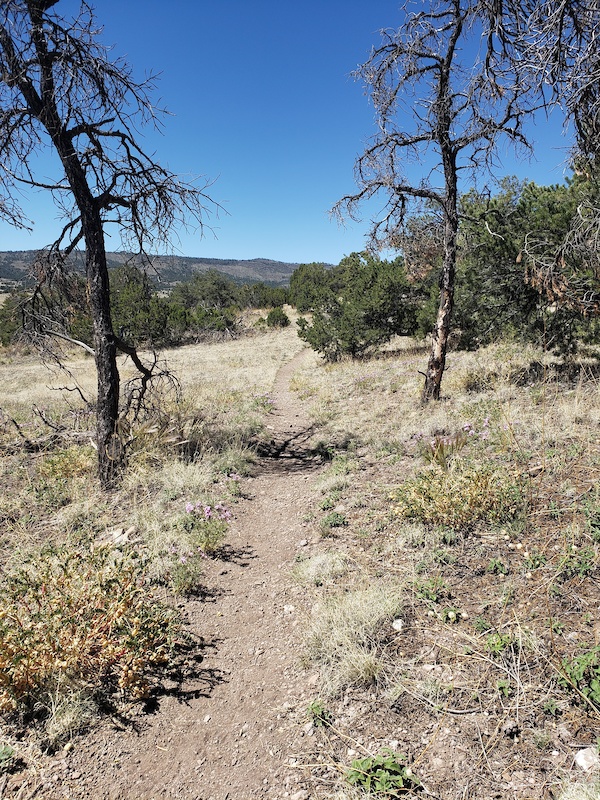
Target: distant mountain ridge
166,271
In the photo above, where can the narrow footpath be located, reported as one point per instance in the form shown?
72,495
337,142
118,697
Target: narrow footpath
233,731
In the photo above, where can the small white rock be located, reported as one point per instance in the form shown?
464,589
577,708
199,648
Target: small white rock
588,758
398,624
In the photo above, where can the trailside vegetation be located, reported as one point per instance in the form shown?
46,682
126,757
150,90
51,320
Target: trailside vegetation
208,306
362,303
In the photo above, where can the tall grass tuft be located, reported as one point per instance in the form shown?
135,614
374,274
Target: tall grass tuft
347,633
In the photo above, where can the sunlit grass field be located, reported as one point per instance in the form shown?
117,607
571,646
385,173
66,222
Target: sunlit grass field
452,578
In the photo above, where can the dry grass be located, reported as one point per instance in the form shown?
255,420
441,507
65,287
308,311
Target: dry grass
492,605
499,589
51,495
348,632
321,569
589,790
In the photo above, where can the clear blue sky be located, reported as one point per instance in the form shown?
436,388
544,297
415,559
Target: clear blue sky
262,103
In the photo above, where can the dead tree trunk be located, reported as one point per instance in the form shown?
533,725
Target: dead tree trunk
110,450
444,114
111,454
58,81
441,332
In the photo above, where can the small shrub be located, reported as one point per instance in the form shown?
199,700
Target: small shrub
330,502
67,463
263,402
534,559
442,556
497,567
577,563
593,521
440,449
433,589
320,716
277,318
383,774
200,532
73,619
460,497
205,525
582,674
551,708
342,464
7,754
334,520
497,643
451,615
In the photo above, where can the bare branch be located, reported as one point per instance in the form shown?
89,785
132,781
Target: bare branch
441,105
59,88
70,339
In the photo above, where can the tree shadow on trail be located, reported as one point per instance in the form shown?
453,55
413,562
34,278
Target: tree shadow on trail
292,452
242,556
206,594
187,679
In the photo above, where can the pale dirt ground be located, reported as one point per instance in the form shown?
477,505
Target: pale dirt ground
234,729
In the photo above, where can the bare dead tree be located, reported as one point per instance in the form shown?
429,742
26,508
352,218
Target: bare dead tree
556,43
60,89
436,104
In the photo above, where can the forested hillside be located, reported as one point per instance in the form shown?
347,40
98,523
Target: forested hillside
15,268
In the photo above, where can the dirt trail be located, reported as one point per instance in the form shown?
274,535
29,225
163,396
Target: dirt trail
231,732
